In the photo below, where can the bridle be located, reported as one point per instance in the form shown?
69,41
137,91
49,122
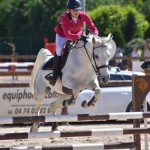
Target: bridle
96,67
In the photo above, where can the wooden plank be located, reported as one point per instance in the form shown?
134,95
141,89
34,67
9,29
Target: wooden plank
17,57
15,73
10,85
116,83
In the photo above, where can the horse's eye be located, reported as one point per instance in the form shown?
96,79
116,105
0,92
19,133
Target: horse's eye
96,56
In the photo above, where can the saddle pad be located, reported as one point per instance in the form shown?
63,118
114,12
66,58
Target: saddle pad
48,65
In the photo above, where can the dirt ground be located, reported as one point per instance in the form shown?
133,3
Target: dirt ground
68,140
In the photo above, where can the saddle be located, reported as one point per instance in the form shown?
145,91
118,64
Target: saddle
48,65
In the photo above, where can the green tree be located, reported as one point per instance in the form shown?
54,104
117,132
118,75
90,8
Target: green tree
92,4
28,22
147,33
146,9
115,19
129,31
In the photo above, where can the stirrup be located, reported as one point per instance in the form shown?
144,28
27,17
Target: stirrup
51,79
49,76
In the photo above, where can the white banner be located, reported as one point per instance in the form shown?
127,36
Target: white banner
18,101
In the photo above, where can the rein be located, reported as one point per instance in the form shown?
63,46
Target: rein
96,68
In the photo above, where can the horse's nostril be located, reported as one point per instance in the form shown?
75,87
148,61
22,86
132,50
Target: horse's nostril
105,79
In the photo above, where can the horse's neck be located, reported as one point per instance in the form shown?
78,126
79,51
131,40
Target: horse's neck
78,66
84,50
79,58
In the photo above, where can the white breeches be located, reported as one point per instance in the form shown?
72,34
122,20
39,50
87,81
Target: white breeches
60,41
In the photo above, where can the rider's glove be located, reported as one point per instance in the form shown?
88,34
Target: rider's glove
83,38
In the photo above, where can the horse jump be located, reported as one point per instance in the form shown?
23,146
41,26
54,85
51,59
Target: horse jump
60,134
97,146
74,117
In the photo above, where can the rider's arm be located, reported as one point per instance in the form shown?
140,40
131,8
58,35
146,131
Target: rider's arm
65,26
90,24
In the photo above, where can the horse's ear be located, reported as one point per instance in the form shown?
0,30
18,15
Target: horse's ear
94,40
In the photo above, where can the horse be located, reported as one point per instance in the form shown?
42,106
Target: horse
86,63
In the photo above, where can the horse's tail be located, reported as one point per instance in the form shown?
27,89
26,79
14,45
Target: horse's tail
42,55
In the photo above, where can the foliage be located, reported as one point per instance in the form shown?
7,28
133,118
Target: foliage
146,9
28,20
92,4
147,33
26,23
126,21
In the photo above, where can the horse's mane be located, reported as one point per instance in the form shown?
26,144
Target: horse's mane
91,36
101,40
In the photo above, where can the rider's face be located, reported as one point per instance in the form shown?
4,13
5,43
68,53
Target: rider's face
74,13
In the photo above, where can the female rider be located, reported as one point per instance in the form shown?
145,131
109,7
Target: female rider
69,28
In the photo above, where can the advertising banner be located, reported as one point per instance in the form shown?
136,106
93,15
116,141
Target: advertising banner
20,102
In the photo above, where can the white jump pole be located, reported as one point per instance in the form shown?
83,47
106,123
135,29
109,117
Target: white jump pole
145,124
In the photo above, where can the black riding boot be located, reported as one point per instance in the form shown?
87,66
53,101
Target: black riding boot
56,68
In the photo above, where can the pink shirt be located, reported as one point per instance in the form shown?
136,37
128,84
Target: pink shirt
71,30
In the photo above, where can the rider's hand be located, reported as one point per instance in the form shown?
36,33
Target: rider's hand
83,38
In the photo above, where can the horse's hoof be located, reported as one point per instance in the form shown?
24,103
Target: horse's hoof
34,129
54,129
71,104
84,104
55,126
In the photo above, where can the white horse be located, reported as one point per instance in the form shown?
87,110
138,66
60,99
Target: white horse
85,61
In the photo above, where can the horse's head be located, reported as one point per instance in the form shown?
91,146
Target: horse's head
103,51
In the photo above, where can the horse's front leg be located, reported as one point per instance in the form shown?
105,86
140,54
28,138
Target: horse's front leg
72,100
94,85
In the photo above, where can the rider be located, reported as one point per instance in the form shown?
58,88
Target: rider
69,28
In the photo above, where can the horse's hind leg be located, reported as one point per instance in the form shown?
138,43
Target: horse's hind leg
55,124
56,105
36,125
53,108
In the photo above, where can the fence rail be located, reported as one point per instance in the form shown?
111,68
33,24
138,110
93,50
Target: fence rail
15,73
18,57
33,57
74,117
